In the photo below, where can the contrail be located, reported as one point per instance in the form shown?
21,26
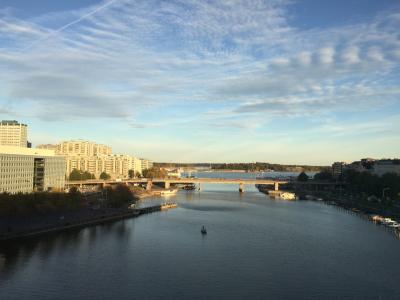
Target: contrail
71,23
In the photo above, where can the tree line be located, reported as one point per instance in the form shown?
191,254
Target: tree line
76,175
367,183
37,203
250,167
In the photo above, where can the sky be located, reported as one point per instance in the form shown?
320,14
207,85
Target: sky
280,81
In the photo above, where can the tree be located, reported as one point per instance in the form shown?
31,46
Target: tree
131,173
323,175
79,175
75,175
104,176
119,196
303,177
155,172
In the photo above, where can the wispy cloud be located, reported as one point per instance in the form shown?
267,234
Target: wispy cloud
239,59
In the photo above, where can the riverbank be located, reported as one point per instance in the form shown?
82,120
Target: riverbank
12,228
365,211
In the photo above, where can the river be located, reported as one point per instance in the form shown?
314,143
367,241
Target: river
256,248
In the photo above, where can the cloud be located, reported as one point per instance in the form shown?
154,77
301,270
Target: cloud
350,55
326,55
375,54
119,58
304,58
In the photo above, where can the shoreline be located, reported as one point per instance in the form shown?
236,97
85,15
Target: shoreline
105,217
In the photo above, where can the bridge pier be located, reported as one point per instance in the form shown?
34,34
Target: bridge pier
276,186
167,184
149,185
241,187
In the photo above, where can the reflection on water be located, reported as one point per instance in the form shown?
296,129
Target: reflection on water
15,254
255,248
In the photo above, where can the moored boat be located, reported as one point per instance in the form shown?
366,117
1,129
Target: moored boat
288,196
169,192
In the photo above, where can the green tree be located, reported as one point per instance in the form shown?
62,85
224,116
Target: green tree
303,177
323,175
104,176
75,175
119,196
79,175
155,172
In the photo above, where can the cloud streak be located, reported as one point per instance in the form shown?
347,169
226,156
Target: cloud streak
230,64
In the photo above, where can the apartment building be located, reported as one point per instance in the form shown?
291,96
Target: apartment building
13,133
82,148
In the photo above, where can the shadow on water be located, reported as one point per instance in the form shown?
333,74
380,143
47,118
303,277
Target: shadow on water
15,254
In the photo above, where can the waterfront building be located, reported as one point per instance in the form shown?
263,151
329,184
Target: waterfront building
146,164
13,133
373,166
96,158
137,166
23,170
337,169
82,148
383,166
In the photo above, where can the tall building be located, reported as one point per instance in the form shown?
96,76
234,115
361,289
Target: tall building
146,164
337,169
82,148
96,158
23,170
13,133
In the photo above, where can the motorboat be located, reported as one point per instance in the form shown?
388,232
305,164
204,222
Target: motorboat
168,192
288,196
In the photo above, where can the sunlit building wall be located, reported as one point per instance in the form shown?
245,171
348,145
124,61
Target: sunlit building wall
25,170
13,133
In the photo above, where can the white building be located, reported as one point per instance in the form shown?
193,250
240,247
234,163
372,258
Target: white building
96,158
82,148
146,164
25,170
13,133
383,166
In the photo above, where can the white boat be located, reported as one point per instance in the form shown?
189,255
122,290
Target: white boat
169,192
288,196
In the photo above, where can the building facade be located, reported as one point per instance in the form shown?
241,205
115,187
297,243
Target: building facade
13,133
82,148
384,166
374,166
146,164
23,170
337,169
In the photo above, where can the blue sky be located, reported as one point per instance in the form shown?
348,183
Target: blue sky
308,82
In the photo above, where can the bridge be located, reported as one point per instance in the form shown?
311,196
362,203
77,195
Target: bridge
180,181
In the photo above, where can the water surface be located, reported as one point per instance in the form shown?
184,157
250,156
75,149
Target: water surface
255,248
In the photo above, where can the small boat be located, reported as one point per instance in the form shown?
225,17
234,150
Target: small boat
288,196
168,192
203,230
